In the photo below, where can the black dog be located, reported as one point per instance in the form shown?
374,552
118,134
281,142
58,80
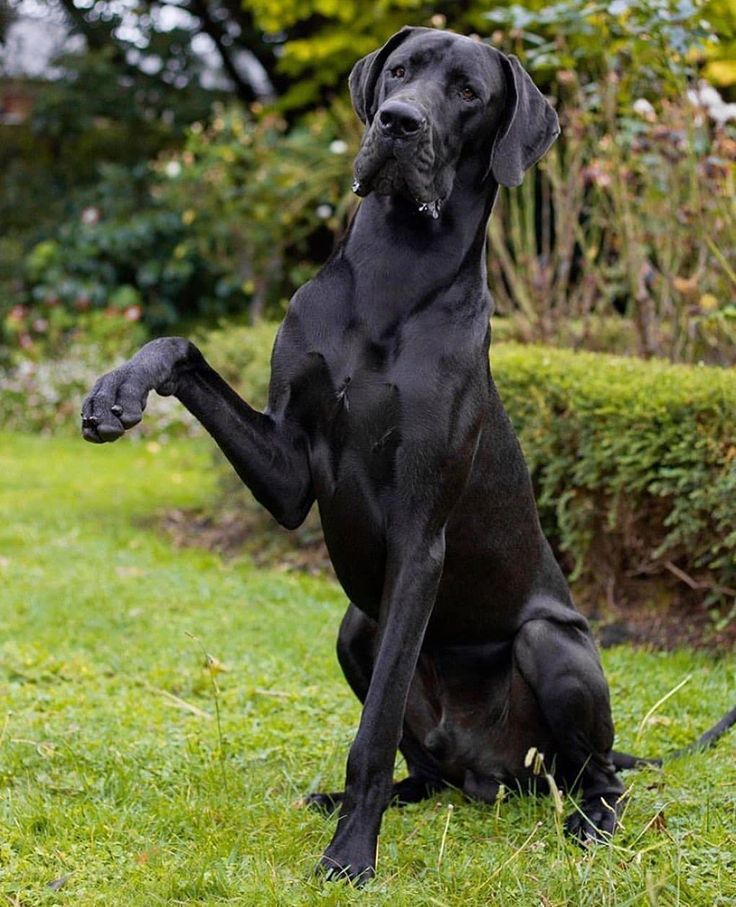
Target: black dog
461,641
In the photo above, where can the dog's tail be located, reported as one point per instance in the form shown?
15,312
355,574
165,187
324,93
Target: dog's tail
623,761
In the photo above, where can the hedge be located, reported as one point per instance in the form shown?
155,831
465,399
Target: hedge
633,462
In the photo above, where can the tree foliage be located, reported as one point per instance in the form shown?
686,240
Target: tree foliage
607,224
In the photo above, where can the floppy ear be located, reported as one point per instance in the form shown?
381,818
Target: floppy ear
366,72
528,128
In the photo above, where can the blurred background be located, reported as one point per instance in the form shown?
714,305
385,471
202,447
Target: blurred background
183,166
171,163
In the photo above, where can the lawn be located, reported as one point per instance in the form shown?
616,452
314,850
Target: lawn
121,786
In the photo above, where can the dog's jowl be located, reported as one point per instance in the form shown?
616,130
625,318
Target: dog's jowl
460,638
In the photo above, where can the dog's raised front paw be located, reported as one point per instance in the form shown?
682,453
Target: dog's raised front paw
115,404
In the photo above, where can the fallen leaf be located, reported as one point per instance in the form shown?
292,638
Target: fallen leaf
660,821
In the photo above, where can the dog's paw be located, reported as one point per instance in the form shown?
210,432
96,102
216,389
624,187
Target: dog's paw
414,789
355,868
115,404
324,802
594,822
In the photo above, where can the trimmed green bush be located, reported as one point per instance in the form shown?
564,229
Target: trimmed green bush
243,357
634,462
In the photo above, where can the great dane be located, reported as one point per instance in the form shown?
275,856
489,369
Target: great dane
461,639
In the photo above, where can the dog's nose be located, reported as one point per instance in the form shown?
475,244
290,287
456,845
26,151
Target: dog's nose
399,119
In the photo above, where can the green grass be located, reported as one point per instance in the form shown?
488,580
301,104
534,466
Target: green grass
114,778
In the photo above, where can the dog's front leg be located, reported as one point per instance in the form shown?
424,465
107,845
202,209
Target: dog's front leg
413,573
269,453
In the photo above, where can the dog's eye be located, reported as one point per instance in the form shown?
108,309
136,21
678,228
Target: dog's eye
468,94
398,72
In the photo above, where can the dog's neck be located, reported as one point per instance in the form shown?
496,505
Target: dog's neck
403,261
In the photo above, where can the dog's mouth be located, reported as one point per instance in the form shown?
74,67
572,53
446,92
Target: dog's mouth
431,208
397,167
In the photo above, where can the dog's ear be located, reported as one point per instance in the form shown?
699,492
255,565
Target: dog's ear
366,72
528,127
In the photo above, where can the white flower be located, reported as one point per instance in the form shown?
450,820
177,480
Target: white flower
90,216
722,113
709,96
323,211
706,97
338,146
644,109
172,169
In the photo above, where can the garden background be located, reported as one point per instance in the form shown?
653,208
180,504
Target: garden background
167,695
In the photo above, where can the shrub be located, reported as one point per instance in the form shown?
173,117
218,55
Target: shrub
264,201
123,253
634,463
631,210
605,227
242,356
233,223
44,395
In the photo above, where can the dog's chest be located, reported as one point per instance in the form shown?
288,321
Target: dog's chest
347,389
359,397
368,386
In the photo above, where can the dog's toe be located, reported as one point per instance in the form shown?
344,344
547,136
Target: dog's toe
357,871
594,823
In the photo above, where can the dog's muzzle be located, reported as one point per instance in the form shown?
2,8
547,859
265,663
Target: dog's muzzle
400,120
397,157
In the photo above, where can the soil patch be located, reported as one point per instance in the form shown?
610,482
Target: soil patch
650,612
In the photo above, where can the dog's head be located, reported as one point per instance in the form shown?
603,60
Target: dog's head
429,97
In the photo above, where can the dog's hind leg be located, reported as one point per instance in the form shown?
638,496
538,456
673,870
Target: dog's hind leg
560,663
355,647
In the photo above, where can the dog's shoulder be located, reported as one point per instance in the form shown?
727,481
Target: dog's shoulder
328,293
